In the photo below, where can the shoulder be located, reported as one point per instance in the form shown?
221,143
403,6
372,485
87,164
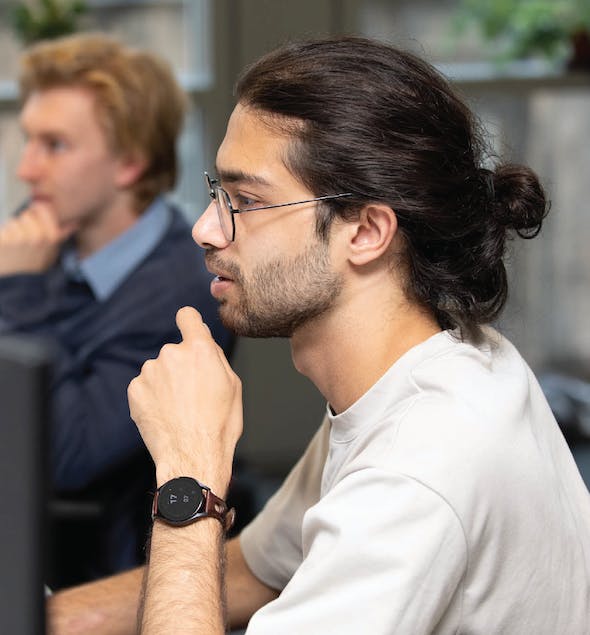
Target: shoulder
468,413
482,390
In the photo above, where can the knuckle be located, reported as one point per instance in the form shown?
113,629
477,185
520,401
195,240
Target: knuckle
167,350
132,387
145,368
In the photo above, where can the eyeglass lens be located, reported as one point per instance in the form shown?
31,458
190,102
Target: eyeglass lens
223,207
226,218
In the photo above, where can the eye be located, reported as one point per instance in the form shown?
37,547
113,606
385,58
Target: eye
55,145
244,202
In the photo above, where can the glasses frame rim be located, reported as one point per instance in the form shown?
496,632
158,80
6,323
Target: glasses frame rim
214,186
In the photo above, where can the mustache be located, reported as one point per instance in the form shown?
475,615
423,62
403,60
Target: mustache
215,261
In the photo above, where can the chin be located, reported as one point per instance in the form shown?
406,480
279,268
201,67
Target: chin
257,326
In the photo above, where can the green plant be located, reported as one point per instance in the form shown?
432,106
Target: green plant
45,19
521,28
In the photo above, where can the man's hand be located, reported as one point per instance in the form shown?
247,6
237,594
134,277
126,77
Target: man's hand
30,242
187,404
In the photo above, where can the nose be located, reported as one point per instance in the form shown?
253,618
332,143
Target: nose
30,164
207,231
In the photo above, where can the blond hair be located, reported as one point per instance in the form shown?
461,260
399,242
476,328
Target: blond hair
139,104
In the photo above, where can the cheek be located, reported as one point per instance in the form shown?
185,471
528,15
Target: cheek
282,240
92,174
83,187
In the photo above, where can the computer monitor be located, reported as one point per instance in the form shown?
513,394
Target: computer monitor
24,383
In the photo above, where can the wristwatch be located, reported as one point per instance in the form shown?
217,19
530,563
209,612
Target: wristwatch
184,500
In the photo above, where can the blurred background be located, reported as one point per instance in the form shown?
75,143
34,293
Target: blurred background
523,66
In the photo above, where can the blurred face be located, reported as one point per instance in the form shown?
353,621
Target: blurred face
66,160
277,275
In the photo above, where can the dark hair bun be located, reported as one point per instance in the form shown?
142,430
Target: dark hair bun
519,200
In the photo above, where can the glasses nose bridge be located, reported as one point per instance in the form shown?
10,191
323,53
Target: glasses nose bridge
212,186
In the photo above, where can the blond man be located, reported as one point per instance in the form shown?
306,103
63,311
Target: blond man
99,261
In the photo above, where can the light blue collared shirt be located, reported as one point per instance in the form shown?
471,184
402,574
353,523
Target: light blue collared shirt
106,269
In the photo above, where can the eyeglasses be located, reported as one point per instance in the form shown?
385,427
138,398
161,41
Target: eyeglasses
226,211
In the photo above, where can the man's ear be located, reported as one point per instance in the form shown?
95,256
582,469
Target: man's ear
372,234
129,170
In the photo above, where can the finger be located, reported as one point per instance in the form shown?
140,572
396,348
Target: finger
27,229
12,232
5,231
53,230
190,324
31,229
45,217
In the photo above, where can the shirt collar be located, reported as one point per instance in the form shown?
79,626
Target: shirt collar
106,269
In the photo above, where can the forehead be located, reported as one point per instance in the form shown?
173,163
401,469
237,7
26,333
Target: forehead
60,109
252,146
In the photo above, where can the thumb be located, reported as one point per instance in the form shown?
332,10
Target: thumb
190,323
52,227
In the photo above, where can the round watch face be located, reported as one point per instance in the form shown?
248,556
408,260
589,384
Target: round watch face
180,498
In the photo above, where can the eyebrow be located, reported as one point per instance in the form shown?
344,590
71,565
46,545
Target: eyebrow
46,132
238,176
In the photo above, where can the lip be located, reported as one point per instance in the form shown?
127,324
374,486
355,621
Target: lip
40,198
217,272
220,286
222,275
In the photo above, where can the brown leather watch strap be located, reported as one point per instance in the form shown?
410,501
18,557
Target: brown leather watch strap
215,507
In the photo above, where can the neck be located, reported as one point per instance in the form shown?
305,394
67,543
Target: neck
99,229
347,350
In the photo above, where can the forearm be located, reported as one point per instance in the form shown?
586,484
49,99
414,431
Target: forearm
106,607
245,592
187,404
184,580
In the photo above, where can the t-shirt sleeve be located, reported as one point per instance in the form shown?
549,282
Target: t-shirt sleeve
382,553
272,542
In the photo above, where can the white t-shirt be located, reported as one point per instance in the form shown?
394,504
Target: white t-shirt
444,501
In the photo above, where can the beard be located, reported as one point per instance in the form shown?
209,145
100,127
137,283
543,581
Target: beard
280,295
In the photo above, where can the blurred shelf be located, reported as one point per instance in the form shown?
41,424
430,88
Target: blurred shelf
192,83
518,74
121,4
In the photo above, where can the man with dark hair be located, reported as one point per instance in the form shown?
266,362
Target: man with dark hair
99,262
352,213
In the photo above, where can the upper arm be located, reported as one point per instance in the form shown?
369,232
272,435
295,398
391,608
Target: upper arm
382,545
